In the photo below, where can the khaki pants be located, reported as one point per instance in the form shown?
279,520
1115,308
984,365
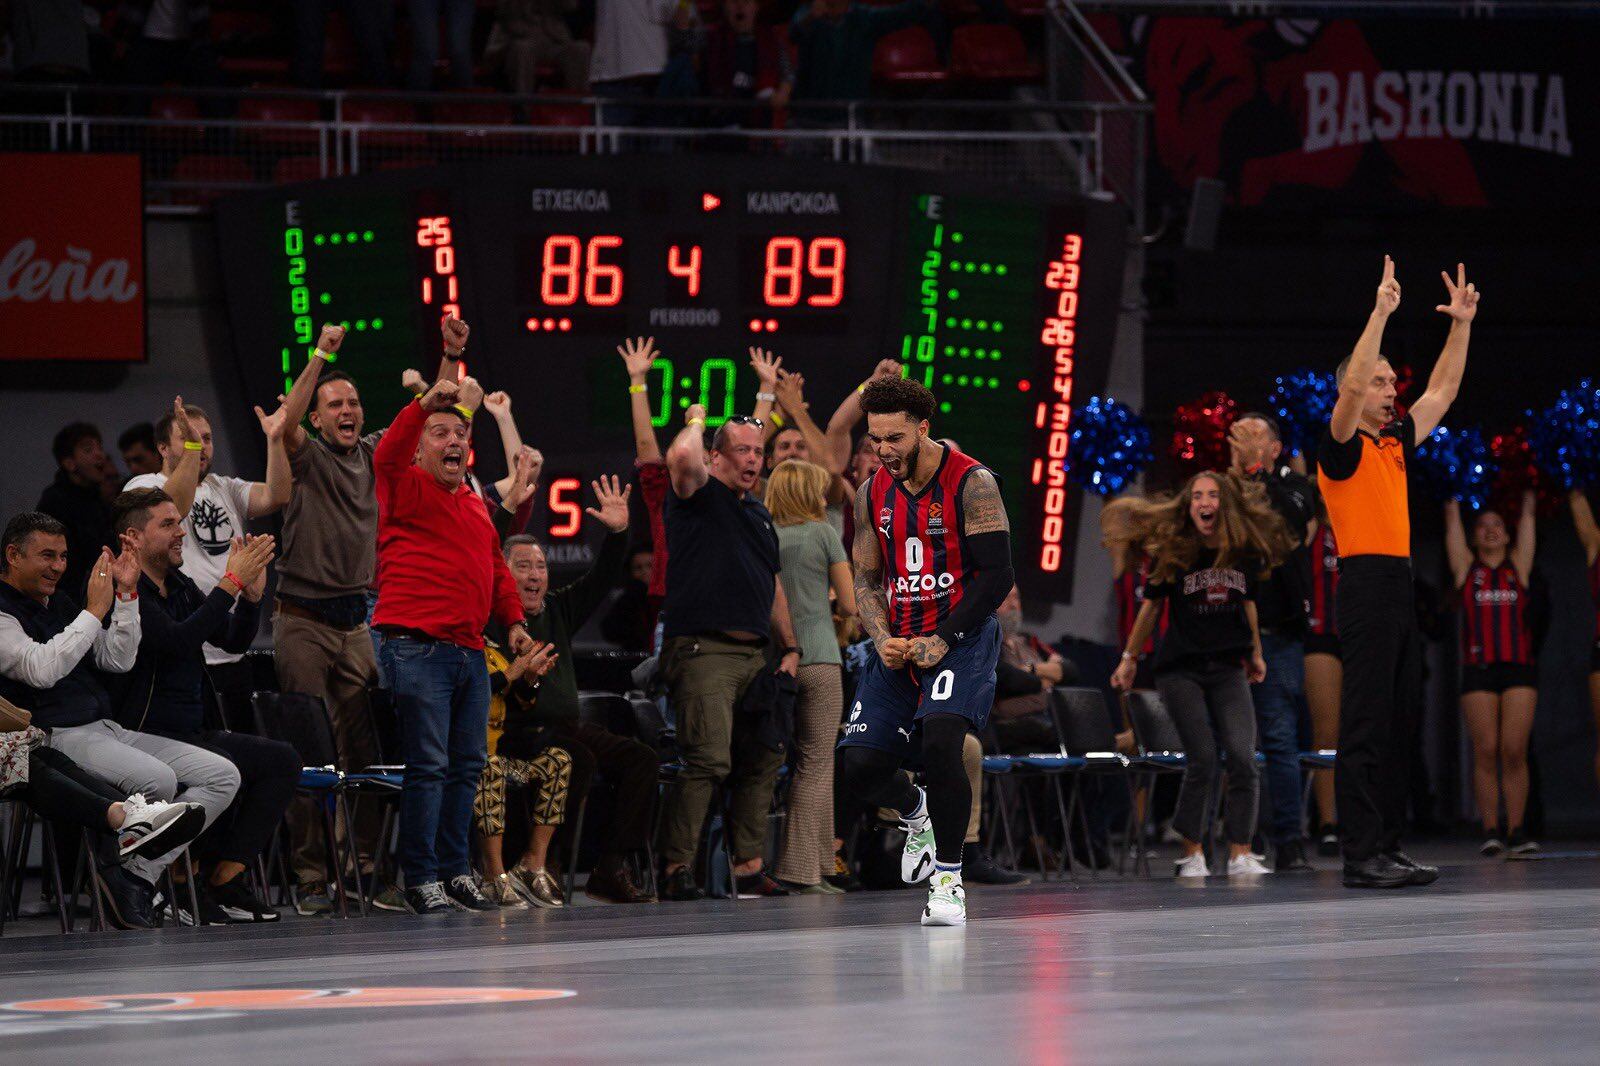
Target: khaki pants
706,677
339,666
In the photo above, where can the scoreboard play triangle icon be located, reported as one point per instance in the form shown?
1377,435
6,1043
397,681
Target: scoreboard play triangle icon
710,201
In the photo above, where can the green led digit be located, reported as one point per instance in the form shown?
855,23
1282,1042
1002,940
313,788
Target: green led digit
297,270
302,329
663,412
728,371
294,241
299,300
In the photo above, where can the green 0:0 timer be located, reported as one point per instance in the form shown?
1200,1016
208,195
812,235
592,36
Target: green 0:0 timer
672,394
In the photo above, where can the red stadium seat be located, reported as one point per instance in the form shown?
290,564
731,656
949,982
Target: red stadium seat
990,52
181,118
560,115
387,112
296,168
279,109
908,58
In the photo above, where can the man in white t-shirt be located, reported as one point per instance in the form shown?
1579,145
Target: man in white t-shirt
216,507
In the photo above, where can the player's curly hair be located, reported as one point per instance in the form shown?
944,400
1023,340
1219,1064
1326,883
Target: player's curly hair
1248,527
891,396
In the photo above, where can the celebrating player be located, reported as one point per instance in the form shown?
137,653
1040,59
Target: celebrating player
933,562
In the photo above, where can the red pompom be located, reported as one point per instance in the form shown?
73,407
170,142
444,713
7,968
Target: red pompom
1200,433
1516,472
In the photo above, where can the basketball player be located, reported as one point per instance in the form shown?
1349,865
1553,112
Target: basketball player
933,562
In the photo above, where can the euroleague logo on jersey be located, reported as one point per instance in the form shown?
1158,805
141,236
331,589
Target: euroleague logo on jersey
936,519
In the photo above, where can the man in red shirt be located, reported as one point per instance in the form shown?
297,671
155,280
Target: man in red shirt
441,578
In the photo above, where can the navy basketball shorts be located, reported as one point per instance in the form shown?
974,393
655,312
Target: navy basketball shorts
890,703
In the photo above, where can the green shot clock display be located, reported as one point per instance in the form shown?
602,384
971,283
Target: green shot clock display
1002,301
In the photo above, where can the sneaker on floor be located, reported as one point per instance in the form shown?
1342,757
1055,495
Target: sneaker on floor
1518,845
239,901
1247,865
128,899
428,898
1328,841
181,910
977,867
757,885
464,891
916,861
538,887
1192,866
1492,845
947,900
392,899
312,899
151,829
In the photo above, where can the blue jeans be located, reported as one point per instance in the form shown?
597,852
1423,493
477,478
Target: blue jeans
1277,701
441,694
425,42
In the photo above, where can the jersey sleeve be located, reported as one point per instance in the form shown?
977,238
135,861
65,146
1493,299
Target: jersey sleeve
1339,461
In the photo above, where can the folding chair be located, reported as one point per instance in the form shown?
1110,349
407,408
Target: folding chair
1083,725
1160,755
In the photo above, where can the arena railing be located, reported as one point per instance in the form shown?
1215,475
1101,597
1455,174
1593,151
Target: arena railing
201,147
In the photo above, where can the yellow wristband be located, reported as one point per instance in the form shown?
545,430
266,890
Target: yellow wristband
464,411
193,446
636,388
326,357
777,419
860,389
695,422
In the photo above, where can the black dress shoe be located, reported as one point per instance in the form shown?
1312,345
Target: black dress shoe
757,885
679,887
1420,874
978,869
128,899
1291,858
1380,871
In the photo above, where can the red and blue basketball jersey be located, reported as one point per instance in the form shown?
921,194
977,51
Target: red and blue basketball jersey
1324,581
1130,595
1494,617
925,562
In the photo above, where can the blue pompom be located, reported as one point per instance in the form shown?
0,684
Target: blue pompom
1303,403
1110,445
1565,437
1454,465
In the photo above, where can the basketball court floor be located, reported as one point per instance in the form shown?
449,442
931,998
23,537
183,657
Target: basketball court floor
1497,962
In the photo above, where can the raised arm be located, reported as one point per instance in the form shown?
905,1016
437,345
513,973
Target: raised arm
1455,543
304,391
1364,360
1527,535
849,414
398,447
686,455
791,397
986,536
273,493
1583,519
454,332
638,356
498,404
185,477
767,367
585,595
1445,381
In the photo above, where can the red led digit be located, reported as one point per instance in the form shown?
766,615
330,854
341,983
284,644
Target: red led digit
825,260
558,274
780,287
572,514
602,287
427,290
689,271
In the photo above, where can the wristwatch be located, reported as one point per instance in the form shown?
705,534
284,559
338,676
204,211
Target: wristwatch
791,650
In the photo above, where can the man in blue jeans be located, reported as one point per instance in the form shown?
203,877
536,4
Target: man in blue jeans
1283,606
441,578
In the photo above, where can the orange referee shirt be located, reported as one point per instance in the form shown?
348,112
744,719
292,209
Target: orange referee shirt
1363,484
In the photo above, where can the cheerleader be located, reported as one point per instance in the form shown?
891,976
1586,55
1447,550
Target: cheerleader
1324,676
1589,534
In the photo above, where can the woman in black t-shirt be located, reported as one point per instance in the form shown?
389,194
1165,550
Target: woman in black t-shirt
1208,545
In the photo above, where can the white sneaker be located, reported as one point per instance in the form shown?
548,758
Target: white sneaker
150,829
1247,865
947,900
916,861
1193,866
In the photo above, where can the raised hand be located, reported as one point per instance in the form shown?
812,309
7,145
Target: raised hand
249,558
497,404
887,368
180,418
1249,445
1388,291
455,336
471,393
1463,305
523,477
767,367
274,425
331,337
413,381
125,567
697,410
791,392
441,397
612,496
97,597
638,355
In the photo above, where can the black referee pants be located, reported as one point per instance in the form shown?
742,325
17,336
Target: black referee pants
1380,709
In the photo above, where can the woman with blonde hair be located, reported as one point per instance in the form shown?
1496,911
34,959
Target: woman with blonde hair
1208,546
813,560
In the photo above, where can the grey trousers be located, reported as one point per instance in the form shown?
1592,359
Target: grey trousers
154,766
1210,703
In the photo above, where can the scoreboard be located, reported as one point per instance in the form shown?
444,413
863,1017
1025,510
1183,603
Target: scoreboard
1002,300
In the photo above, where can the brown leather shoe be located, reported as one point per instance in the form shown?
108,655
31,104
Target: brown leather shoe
612,882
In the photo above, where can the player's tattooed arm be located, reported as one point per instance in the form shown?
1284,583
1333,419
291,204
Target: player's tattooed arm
984,510
925,652
871,603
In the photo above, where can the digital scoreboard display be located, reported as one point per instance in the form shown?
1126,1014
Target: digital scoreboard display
1003,301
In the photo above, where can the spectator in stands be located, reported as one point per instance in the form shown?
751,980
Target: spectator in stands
744,60
649,469
47,648
554,616
321,643
811,444
215,508
631,49
856,463
80,499
441,578
425,16
166,41
164,693
528,34
630,622
835,39
814,564
138,447
724,606
371,29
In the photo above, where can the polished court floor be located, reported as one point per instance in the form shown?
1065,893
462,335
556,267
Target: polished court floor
1498,962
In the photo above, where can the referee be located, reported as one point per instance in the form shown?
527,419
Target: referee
1361,471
